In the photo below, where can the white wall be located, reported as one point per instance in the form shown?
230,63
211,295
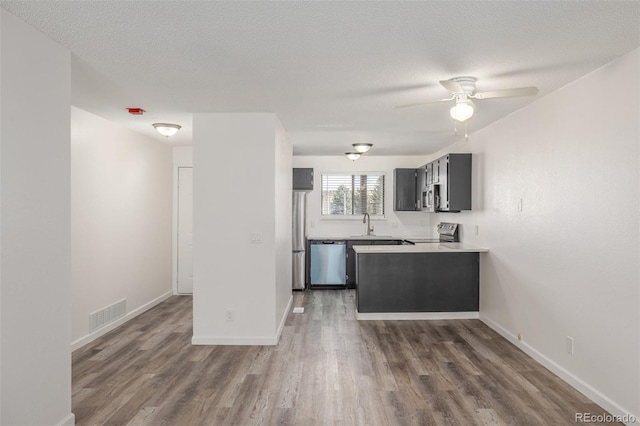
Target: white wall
35,278
283,224
121,216
409,224
238,160
567,265
1,81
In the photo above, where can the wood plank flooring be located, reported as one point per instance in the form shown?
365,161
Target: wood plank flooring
328,369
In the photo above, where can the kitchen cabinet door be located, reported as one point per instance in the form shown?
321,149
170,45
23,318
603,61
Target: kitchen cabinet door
351,260
421,187
404,190
460,181
303,179
443,167
436,174
351,256
455,186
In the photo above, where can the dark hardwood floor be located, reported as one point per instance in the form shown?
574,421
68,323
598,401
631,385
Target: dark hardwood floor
328,369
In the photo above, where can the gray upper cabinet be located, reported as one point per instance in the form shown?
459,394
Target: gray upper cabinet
421,187
303,179
436,171
454,180
443,185
404,194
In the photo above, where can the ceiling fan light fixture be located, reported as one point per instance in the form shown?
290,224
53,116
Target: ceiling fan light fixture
462,111
362,147
353,156
166,129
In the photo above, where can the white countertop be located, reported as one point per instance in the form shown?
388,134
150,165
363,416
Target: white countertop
422,248
372,237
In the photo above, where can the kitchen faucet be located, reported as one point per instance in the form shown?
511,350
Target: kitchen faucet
367,219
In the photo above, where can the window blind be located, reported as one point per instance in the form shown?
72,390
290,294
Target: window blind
353,194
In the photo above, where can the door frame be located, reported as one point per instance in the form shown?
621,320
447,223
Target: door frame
182,157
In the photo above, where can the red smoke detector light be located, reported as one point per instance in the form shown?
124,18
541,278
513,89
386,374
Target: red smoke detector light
135,111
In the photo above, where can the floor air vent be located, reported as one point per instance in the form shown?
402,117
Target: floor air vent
109,314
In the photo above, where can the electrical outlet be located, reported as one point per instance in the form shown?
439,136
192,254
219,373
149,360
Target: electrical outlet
520,336
255,237
520,204
476,228
228,315
569,344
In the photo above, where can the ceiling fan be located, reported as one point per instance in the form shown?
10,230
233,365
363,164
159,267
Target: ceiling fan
463,89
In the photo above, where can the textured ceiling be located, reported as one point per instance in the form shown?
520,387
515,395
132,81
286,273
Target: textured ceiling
331,71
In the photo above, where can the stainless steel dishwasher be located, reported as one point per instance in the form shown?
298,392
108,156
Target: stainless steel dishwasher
328,263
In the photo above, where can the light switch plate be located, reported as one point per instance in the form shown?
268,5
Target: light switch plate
569,344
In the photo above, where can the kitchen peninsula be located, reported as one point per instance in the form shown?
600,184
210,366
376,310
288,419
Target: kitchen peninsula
437,280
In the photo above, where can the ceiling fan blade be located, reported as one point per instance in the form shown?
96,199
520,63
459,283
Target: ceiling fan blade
452,86
424,103
507,93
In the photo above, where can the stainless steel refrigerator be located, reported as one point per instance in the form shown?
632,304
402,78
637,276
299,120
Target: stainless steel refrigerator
299,234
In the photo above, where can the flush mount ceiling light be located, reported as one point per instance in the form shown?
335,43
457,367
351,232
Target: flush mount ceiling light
362,147
353,156
166,129
462,111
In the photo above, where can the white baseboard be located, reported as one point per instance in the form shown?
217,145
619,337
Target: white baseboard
76,344
70,420
232,341
587,390
283,320
415,316
246,341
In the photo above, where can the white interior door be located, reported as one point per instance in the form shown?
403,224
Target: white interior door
185,230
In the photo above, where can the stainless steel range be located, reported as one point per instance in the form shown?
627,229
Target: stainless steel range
448,232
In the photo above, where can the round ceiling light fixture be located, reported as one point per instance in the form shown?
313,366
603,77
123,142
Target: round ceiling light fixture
362,147
166,129
462,111
353,156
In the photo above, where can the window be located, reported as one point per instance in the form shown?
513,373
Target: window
353,195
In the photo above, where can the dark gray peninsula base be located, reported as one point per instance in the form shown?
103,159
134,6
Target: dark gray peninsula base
430,281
